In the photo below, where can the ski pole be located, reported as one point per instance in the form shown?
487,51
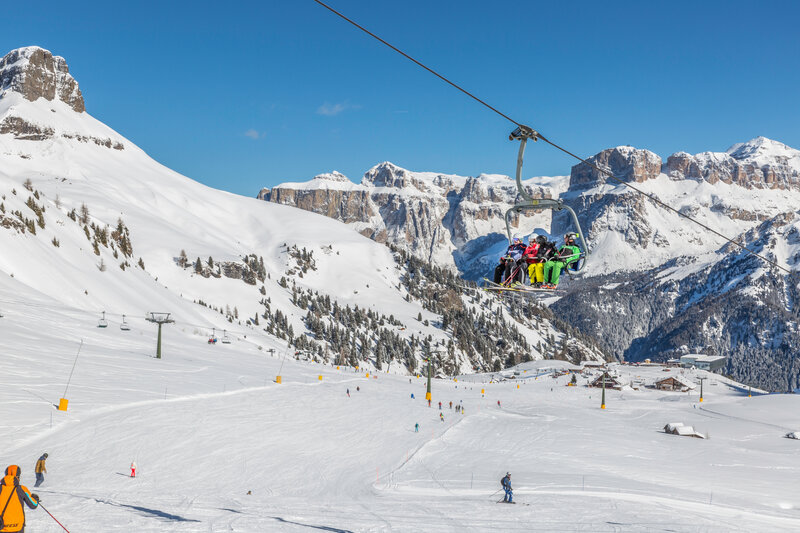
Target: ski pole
53,517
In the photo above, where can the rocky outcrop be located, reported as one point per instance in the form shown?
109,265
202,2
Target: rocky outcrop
624,162
24,130
433,216
760,163
36,73
732,307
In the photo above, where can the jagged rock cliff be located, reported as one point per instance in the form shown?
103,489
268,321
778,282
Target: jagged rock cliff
449,220
624,162
32,75
36,73
732,304
654,283
759,163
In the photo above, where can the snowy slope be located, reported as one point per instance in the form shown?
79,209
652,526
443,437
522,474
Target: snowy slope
220,447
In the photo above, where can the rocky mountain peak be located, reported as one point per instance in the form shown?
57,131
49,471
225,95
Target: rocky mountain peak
36,73
334,176
388,174
625,162
762,147
758,163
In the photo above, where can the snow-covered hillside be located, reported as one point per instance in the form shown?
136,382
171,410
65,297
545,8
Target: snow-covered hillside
221,447
91,222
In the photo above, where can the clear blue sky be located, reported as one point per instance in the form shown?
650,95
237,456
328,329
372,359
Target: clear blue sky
248,94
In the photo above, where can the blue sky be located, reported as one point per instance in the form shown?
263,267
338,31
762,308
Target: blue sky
250,94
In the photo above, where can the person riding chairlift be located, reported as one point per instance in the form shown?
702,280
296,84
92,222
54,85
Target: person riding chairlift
545,251
566,256
510,269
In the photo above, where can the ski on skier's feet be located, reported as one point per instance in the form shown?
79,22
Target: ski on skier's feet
492,286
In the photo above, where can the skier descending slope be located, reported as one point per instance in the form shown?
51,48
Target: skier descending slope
13,495
506,484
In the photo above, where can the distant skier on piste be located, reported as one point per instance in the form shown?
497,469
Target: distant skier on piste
506,484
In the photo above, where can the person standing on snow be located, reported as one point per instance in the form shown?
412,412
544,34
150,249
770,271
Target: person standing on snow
40,470
12,496
133,468
440,406
441,417
506,484
567,254
416,427
348,393
451,405
509,269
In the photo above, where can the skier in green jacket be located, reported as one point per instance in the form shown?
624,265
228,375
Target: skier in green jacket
567,254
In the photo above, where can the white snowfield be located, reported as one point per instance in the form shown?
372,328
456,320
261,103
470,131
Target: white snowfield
221,447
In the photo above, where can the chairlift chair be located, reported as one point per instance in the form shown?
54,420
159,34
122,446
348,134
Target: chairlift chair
213,338
528,203
124,326
102,323
225,338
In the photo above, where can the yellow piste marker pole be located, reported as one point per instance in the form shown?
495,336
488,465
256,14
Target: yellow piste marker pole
62,404
277,379
320,377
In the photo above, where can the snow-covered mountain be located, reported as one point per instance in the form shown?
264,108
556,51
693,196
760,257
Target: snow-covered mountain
91,222
458,222
452,221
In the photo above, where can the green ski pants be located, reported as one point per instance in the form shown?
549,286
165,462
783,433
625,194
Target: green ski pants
552,271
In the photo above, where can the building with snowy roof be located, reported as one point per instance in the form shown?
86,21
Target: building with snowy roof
675,383
712,363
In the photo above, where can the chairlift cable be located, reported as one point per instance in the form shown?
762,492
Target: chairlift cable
362,28
554,145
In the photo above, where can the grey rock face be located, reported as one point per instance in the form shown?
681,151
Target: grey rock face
625,162
36,73
433,218
760,163
734,307
24,130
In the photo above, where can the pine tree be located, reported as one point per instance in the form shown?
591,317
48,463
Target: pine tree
84,214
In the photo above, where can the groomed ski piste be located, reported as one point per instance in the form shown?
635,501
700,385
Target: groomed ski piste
220,446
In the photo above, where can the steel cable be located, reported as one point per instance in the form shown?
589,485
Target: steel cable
554,145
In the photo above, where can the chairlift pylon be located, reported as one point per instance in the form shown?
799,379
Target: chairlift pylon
124,326
102,323
528,203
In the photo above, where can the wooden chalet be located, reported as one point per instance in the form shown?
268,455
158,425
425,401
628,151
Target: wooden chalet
674,383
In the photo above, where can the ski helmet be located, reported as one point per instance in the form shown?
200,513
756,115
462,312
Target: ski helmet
516,238
540,239
571,236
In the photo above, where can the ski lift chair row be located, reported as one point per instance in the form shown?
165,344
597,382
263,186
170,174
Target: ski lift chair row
528,203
